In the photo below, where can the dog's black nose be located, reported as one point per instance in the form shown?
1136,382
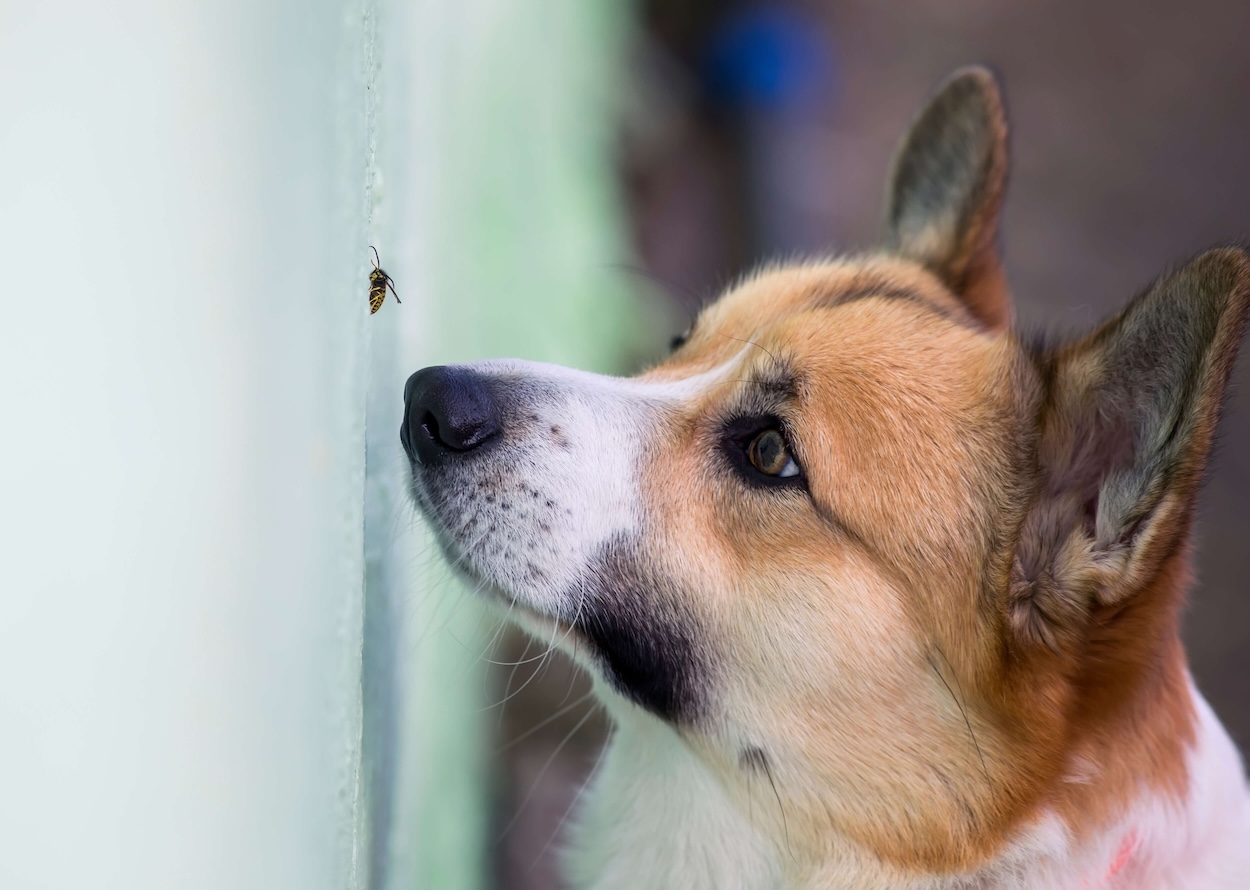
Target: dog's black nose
447,411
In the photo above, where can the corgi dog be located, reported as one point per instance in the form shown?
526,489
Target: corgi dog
878,592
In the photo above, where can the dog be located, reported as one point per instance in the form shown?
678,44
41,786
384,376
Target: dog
878,592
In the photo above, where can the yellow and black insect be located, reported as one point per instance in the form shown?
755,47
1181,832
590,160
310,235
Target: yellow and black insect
379,281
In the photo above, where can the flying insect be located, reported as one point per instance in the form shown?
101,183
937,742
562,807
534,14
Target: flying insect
379,281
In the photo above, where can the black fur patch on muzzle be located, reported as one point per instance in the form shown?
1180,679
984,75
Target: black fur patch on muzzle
646,640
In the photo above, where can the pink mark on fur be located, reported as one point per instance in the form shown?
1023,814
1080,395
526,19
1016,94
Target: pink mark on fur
1123,856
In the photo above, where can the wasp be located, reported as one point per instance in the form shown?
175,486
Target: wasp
379,281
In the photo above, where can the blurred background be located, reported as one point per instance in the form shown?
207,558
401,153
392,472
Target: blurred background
229,653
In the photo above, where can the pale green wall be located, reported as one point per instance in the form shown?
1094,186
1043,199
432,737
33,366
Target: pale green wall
498,216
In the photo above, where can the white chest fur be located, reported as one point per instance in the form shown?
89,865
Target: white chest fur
655,818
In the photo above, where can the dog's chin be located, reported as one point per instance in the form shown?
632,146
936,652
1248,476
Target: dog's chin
550,631
512,605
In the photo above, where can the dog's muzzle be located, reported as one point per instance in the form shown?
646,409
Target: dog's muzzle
529,475
448,412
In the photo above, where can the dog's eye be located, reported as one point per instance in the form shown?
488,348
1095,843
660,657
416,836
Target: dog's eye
679,341
769,454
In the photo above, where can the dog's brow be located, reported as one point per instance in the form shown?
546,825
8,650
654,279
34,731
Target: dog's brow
776,378
884,291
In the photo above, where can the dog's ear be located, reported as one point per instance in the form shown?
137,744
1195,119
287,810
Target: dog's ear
946,190
1125,434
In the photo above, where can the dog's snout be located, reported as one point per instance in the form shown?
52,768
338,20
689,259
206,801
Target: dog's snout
447,411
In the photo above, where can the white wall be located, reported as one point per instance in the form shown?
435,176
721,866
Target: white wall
185,191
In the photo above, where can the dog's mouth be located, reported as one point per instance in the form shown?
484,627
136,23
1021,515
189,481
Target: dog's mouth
462,553
606,620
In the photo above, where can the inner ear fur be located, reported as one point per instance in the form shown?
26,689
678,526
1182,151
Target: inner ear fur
946,192
1125,432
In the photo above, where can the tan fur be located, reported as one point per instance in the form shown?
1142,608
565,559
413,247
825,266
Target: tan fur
919,421
862,415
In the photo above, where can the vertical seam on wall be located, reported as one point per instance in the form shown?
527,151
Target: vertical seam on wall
361,829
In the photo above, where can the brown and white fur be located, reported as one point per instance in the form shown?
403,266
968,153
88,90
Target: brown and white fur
939,649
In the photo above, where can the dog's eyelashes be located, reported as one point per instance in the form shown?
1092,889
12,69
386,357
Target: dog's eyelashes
769,454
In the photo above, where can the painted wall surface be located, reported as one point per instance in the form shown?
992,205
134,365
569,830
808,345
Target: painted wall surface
183,210
497,151
228,653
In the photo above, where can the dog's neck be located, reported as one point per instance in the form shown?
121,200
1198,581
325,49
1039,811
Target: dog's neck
656,817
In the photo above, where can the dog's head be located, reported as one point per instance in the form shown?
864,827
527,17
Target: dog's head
858,534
